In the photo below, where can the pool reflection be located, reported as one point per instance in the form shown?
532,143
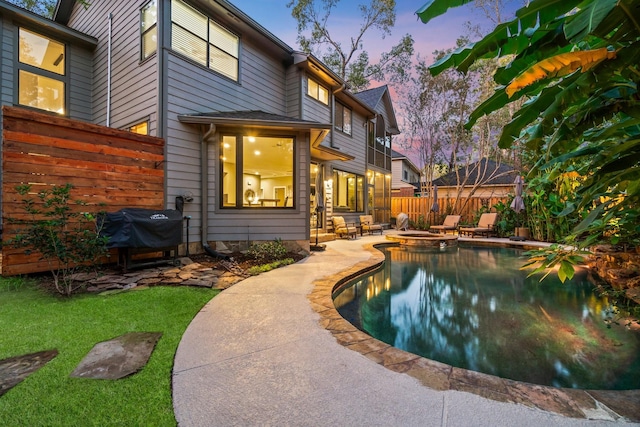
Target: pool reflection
473,308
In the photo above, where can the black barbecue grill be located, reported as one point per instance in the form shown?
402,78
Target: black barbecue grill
136,231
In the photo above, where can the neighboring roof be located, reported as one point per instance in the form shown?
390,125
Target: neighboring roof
488,172
66,33
395,155
262,120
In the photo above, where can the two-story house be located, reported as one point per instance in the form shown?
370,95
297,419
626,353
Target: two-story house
247,121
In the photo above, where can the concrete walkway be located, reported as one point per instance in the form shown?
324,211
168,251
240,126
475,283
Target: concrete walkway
257,354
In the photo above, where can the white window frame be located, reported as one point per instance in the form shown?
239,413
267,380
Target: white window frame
153,29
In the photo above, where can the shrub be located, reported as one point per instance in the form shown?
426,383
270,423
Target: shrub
254,271
69,241
267,251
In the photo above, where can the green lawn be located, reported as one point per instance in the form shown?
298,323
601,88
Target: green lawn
32,321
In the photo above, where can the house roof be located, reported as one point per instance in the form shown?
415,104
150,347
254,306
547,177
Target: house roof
258,119
374,97
61,31
485,171
226,12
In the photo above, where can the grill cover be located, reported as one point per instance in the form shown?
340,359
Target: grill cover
142,228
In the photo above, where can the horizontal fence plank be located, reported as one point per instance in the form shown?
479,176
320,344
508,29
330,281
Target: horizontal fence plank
110,169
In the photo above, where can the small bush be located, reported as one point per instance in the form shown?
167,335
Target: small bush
267,251
254,271
68,240
420,224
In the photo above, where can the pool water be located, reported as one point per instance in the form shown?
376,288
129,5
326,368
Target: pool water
474,308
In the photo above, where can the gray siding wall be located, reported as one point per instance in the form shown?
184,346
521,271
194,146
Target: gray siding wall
294,92
194,89
80,83
134,86
6,61
354,145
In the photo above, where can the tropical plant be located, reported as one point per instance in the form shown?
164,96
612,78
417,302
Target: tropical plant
508,219
577,65
67,239
420,224
562,257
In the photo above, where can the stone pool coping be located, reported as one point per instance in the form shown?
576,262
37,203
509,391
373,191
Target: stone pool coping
574,403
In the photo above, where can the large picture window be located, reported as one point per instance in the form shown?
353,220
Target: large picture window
257,172
148,29
348,192
41,72
196,36
343,118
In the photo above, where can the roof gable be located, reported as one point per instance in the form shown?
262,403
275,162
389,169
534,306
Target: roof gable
379,99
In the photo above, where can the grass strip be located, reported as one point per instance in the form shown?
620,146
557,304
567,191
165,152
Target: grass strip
32,320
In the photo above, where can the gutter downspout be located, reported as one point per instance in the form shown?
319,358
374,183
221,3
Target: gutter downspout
108,121
204,179
333,112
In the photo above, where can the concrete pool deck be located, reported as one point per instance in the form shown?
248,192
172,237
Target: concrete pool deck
272,350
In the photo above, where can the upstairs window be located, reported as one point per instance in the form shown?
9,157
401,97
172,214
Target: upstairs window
199,38
41,72
148,30
343,119
318,92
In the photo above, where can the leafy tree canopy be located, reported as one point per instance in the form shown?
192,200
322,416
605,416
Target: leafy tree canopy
349,60
577,65
41,7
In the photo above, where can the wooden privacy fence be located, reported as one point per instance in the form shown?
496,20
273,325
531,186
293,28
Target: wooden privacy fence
416,206
110,169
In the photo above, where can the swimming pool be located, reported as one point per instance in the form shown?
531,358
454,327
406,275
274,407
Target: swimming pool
473,308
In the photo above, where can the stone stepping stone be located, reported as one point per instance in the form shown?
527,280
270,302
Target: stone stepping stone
16,369
119,357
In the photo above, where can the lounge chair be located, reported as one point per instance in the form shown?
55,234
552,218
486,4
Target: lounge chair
485,226
342,229
450,224
367,224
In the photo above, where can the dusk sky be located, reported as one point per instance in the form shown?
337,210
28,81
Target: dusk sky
441,33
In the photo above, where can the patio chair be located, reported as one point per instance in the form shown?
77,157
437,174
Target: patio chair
485,226
367,224
450,223
342,229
